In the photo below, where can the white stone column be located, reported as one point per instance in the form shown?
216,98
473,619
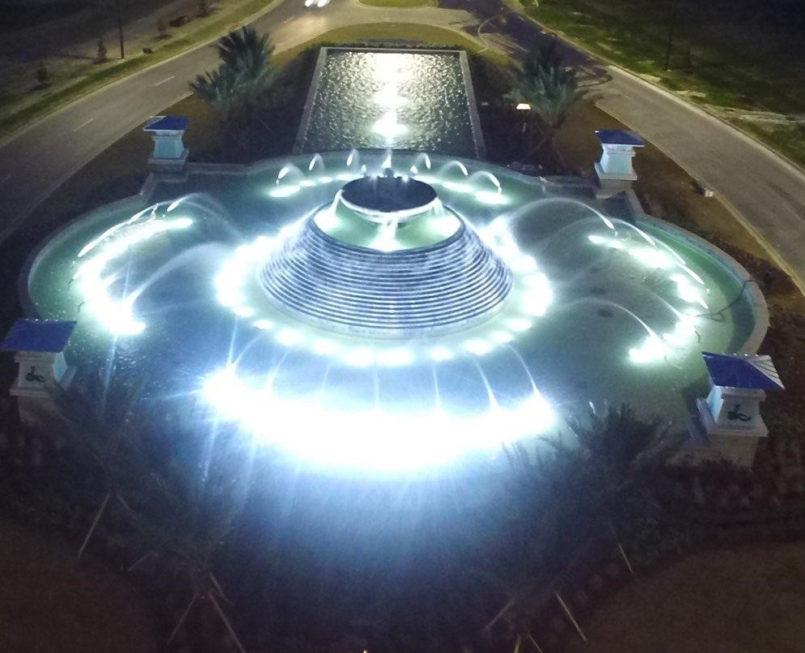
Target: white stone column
170,154
614,170
39,353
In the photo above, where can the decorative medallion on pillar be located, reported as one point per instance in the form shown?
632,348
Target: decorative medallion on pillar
170,154
731,412
614,170
39,347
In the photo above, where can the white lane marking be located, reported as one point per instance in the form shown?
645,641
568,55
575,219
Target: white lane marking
83,124
167,79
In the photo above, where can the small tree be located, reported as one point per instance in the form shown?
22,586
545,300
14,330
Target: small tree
542,60
235,88
42,74
101,55
550,89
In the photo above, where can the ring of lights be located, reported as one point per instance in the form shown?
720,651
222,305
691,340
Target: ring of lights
447,286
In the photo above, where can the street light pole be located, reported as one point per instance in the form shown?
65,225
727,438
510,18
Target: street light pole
120,29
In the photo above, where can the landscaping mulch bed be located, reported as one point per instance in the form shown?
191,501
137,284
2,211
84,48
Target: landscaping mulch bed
50,601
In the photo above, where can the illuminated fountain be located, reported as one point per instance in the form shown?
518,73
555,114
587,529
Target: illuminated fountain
388,313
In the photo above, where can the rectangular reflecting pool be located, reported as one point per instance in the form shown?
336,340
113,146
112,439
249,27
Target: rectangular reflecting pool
406,99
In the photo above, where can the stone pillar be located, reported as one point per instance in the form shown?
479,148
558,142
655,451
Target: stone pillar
170,154
730,415
614,170
39,347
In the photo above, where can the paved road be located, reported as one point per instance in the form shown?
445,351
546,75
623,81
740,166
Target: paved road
766,191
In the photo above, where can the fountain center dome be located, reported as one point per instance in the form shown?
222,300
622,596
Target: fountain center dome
386,258
388,214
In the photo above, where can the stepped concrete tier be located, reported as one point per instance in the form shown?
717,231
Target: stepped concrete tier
387,259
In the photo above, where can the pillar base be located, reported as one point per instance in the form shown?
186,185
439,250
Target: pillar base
170,169
611,184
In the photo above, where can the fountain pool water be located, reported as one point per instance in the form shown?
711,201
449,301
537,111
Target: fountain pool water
419,100
361,332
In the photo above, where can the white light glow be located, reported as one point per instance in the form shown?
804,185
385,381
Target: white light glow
519,324
290,337
684,331
502,337
243,311
359,356
652,257
389,127
284,191
440,354
478,346
116,315
388,98
325,347
491,197
457,187
687,292
371,439
524,264
652,349
397,357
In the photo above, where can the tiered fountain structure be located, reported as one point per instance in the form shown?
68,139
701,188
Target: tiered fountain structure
387,260
391,311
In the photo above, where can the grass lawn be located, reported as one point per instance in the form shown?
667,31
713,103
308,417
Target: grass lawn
51,602
717,58
749,600
390,33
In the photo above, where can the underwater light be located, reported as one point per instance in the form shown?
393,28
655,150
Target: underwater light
372,439
652,349
284,191
116,314
491,197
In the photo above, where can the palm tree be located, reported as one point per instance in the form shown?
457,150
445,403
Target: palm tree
180,492
246,72
249,56
550,89
542,59
570,505
218,88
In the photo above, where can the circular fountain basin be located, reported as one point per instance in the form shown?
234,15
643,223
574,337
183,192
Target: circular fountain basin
185,290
